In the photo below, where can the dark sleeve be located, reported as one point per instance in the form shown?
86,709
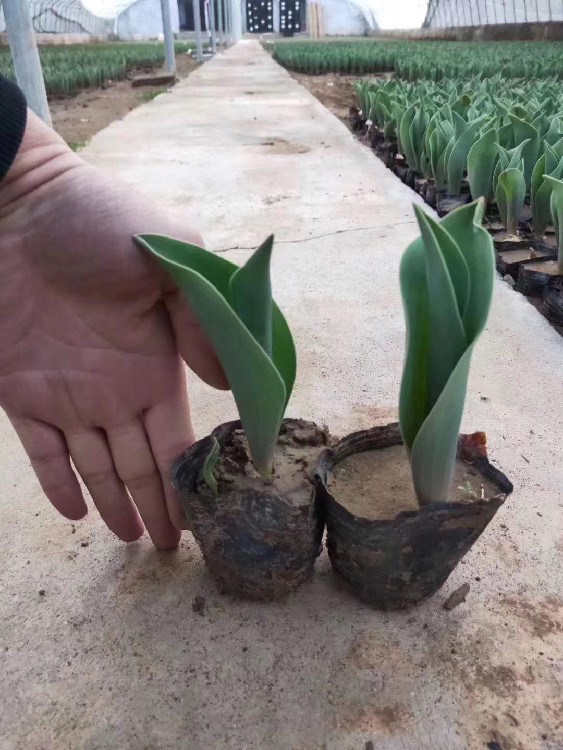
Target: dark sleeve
13,116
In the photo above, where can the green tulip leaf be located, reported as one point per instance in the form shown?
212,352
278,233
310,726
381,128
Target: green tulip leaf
232,308
440,341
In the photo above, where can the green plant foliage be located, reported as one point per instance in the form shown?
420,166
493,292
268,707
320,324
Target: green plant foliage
69,68
510,195
481,160
548,163
458,154
246,329
446,283
436,61
557,215
437,126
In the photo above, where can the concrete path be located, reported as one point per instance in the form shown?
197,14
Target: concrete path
112,657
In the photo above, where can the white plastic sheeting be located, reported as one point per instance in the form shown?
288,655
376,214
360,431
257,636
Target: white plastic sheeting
137,19
451,13
129,19
143,20
348,17
66,17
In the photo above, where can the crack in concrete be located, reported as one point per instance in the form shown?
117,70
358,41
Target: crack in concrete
321,236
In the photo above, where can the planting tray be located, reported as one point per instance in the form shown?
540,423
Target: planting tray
397,562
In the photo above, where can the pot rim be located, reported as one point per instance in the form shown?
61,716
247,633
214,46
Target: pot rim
387,436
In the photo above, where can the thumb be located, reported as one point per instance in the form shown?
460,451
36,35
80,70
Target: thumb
192,343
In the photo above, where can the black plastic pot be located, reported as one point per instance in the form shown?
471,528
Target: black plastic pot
357,121
430,196
395,563
376,137
257,543
511,255
387,152
534,276
552,304
401,172
421,186
446,203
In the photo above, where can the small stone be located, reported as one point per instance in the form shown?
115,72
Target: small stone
509,280
84,544
457,597
250,471
369,745
228,478
198,605
41,592
309,436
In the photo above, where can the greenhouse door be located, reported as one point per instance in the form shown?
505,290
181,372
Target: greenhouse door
259,16
290,16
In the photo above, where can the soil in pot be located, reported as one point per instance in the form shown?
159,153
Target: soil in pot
391,552
354,478
259,538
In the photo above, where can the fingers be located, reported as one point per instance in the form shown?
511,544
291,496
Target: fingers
48,453
137,469
170,433
91,456
192,343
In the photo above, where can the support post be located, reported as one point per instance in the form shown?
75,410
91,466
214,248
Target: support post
228,21
197,27
212,27
169,53
236,20
25,55
220,23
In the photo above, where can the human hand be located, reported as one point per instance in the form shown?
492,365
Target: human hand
89,340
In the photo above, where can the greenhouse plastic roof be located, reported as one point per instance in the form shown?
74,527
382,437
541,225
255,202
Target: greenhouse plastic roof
107,8
381,13
448,13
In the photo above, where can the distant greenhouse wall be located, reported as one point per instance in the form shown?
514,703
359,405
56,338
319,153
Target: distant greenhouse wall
65,17
443,14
